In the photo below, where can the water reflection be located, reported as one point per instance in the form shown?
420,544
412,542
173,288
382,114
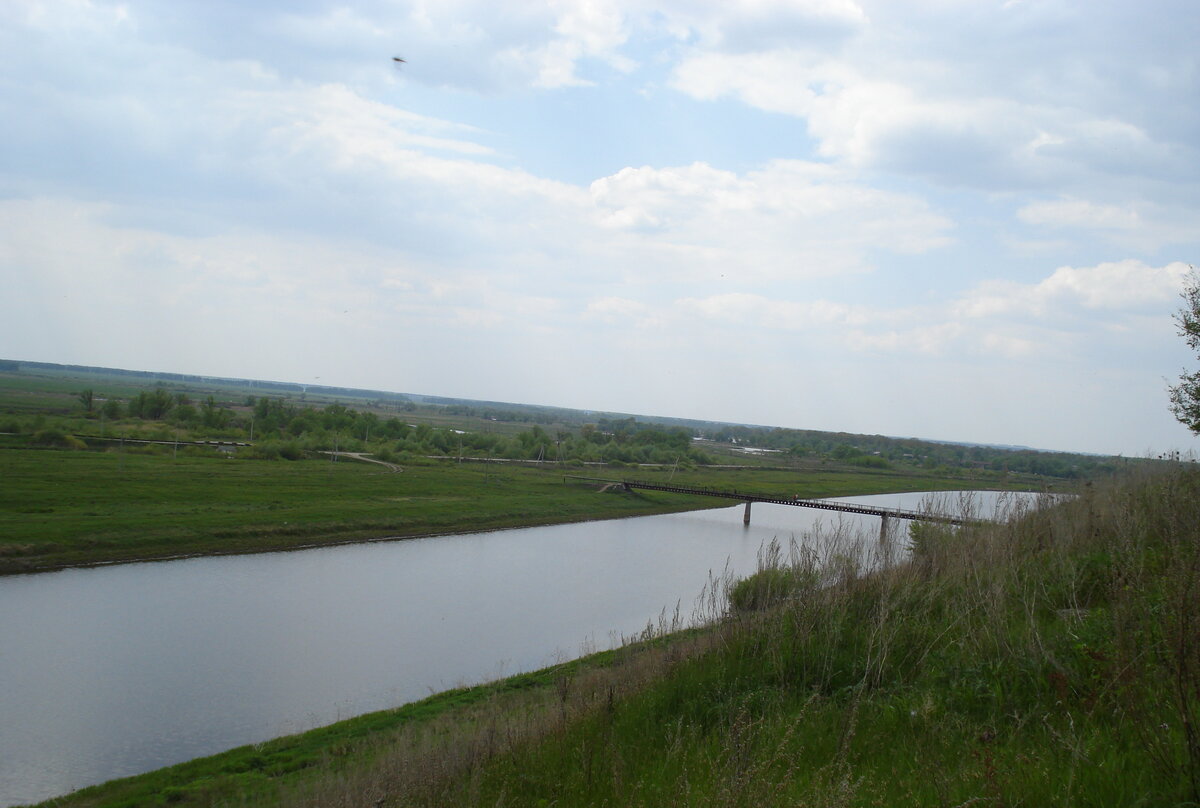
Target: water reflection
113,671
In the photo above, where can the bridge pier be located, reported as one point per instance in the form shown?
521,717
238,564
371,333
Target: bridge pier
746,516
883,529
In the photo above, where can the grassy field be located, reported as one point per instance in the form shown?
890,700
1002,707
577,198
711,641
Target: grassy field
61,507
1053,660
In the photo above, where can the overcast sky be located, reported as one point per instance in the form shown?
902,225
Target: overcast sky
945,219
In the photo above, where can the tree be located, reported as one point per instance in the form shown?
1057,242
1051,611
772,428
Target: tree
1185,396
213,415
151,406
87,398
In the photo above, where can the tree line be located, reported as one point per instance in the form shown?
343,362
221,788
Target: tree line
281,427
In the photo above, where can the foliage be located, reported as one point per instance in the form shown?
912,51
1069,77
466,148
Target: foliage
371,421
1185,396
56,438
768,588
929,542
151,405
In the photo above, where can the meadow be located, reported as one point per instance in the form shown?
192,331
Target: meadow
62,507
81,486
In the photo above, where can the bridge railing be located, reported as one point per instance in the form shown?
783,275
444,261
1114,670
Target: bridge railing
830,505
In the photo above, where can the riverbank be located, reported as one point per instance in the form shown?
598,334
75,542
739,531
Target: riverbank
416,735
1051,660
62,508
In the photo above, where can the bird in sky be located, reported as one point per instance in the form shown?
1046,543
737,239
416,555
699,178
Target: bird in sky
398,60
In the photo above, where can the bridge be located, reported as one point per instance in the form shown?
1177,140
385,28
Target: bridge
820,504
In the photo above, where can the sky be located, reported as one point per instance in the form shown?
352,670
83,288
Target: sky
949,219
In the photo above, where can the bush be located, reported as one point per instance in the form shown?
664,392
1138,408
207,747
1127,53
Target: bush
274,450
147,448
262,450
870,462
768,587
56,438
929,542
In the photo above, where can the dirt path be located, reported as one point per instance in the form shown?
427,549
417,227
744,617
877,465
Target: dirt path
364,458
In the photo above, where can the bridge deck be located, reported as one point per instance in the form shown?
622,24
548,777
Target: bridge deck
820,504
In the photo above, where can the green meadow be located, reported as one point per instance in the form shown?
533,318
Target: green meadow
61,507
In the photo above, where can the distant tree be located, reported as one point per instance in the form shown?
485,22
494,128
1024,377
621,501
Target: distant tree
844,451
368,422
184,414
1185,396
151,405
87,398
212,414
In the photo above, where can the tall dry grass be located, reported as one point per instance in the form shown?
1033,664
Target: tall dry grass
1051,658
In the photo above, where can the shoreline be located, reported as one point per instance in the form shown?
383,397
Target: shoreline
41,570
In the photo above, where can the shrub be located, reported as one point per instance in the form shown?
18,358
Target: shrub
768,587
263,450
870,462
291,451
56,438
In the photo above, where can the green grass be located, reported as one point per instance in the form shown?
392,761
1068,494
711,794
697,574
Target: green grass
61,507
1054,660
1051,661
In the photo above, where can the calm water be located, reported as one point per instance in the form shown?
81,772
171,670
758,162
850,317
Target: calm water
118,670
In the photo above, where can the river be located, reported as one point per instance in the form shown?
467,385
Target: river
112,671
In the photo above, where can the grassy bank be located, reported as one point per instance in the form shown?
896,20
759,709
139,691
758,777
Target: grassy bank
428,739
1054,660
60,507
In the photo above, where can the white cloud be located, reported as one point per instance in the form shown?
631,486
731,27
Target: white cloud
1119,286
899,123
1128,285
742,309
920,339
922,90
1135,224
1080,213
1070,311
759,24
789,219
